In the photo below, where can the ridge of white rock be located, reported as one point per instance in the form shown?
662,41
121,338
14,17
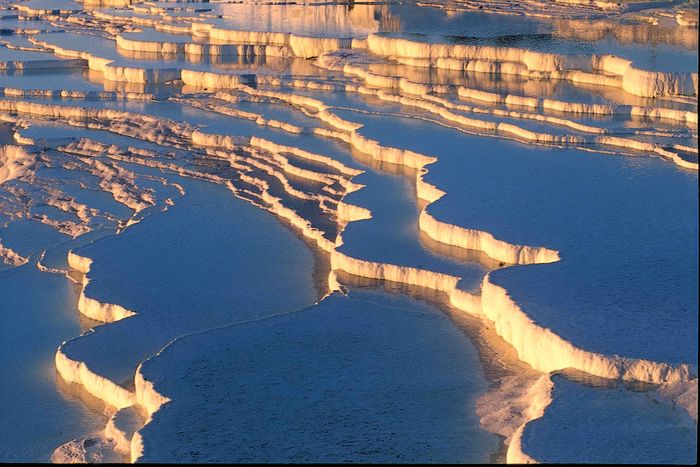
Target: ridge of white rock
599,365
494,304
278,44
576,107
74,371
470,239
501,310
632,422
276,176
121,428
11,257
32,9
603,70
539,397
74,94
426,101
17,65
554,353
240,43
15,162
111,71
78,372
684,394
443,109
88,449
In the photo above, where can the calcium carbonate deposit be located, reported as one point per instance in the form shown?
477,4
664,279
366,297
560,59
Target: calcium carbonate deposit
455,231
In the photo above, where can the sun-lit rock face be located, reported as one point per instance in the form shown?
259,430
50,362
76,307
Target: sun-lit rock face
315,19
604,70
182,161
14,162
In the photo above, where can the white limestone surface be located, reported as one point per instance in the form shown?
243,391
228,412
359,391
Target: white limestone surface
593,259
542,182
218,247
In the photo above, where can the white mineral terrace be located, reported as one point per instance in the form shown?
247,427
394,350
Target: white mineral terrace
472,220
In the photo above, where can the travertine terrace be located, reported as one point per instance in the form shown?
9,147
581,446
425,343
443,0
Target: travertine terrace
476,220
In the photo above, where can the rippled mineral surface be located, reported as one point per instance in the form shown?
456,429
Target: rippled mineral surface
447,231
